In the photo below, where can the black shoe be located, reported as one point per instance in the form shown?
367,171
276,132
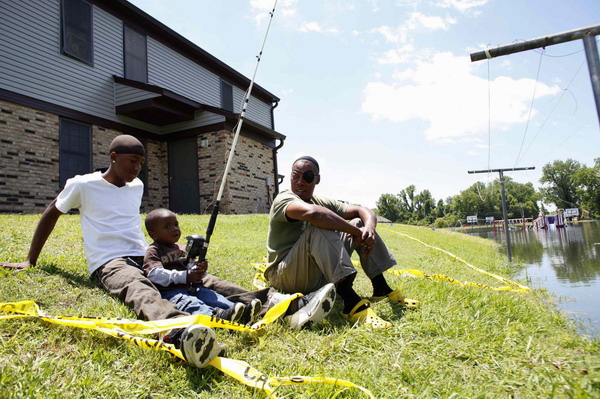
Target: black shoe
251,312
232,314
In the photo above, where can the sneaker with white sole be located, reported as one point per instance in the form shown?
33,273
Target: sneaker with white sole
313,307
199,345
233,314
253,313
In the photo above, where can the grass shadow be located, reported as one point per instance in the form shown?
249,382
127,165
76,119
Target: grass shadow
74,279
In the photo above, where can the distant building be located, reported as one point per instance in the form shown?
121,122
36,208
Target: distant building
76,73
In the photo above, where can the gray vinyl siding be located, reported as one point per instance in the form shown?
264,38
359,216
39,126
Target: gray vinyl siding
257,111
201,118
171,70
125,94
32,65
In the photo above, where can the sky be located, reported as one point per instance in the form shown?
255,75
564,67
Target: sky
384,95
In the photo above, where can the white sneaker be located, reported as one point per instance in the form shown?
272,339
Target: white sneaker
199,345
319,304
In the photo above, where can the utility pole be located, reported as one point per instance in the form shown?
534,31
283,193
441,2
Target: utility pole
589,43
504,211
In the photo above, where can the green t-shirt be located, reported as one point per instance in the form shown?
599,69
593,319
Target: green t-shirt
284,232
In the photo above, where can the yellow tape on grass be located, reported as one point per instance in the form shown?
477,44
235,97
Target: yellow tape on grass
512,286
123,329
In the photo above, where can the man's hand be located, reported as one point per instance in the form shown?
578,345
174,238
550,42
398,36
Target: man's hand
367,239
16,266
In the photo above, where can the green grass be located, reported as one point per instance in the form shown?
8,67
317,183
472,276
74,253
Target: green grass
462,343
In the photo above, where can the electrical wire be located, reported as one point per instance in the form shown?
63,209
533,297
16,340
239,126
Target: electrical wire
530,110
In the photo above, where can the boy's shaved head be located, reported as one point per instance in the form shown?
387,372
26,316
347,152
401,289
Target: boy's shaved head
156,215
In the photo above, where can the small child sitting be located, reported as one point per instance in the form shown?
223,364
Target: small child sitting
170,275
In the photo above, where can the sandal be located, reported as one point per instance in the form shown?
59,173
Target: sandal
366,316
396,297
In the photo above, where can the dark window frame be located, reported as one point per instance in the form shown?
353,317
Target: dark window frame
143,175
66,29
131,73
63,124
226,96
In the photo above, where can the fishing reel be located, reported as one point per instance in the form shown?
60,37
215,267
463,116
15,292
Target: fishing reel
196,248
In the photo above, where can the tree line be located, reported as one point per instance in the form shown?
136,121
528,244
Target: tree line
565,184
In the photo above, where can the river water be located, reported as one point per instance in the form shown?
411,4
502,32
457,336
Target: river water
566,261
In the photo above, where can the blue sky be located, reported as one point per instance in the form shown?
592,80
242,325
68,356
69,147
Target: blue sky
384,95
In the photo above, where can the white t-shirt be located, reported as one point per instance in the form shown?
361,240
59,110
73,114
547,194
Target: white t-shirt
109,216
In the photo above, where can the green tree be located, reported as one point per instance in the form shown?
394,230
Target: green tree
588,182
388,207
560,187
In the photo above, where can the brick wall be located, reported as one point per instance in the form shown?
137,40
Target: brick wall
28,158
29,165
246,190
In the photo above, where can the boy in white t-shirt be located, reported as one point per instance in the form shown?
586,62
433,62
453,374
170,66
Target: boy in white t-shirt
109,205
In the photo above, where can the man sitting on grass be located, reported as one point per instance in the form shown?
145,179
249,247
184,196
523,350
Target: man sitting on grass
310,241
173,279
114,244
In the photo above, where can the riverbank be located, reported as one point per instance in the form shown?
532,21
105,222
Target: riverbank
463,341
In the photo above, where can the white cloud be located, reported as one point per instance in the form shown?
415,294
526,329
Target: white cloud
462,5
444,91
310,27
397,56
417,20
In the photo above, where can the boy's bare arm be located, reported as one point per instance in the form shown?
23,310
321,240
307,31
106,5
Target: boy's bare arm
42,232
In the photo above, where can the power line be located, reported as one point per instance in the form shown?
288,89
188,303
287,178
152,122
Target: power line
530,109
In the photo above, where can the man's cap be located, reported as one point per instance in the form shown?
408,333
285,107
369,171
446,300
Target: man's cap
309,159
126,144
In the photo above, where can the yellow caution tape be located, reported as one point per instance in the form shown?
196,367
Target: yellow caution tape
252,377
519,288
260,281
122,329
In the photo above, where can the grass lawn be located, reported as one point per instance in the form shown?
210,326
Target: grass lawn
463,342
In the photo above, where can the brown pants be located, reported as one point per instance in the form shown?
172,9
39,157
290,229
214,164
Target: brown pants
322,256
124,280
121,278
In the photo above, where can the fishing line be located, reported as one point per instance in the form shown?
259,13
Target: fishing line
215,211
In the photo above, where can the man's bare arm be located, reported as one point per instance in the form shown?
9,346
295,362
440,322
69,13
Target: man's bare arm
320,216
369,220
42,232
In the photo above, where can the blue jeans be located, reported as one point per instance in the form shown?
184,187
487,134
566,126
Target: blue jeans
203,302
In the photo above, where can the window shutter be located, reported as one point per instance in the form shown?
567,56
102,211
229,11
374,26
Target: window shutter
226,96
75,142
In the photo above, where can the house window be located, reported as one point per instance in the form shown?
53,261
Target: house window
135,55
76,30
75,140
226,96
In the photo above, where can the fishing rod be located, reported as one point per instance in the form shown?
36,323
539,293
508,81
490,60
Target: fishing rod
197,245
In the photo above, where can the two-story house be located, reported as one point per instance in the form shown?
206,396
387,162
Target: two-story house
76,73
